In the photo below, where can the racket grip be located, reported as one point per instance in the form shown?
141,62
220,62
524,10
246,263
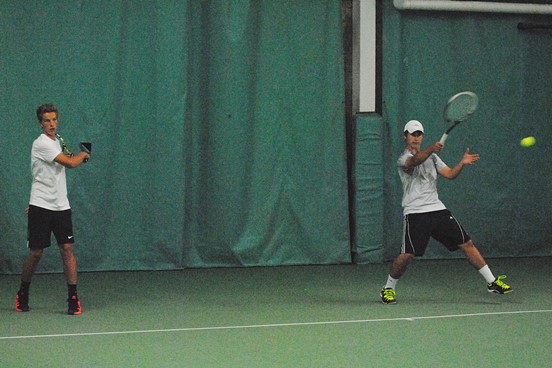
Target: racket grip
443,138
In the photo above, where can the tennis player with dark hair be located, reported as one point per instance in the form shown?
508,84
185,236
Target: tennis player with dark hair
425,216
49,211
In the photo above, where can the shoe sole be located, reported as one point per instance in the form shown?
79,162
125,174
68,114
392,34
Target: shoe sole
75,312
498,292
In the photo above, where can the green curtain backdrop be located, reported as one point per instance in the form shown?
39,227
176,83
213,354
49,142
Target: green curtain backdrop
218,130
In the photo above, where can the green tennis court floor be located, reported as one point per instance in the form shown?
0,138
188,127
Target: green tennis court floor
301,316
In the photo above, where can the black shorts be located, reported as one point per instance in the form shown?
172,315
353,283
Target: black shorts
42,223
439,225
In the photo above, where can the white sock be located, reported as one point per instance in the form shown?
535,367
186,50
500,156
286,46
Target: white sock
391,282
485,271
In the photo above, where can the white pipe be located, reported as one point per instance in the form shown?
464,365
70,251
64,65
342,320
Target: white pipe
472,6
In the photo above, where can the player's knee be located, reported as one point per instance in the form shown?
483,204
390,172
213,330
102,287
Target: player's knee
66,249
467,246
410,257
404,259
36,253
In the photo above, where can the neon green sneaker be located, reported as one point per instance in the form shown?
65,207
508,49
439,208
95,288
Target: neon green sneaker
388,296
498,286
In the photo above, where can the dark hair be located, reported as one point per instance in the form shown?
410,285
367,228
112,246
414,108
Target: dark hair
44,109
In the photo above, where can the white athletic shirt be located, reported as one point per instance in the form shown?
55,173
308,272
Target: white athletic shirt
420,184
49,187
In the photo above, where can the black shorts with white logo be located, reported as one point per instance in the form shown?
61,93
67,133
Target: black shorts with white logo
439,225
42,223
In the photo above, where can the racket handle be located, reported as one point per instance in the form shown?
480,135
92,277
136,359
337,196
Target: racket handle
444,138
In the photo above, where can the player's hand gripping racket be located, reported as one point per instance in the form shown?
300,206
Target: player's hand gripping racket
84,146
459,108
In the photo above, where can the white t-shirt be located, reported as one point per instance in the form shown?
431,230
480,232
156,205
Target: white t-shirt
49,187
420,184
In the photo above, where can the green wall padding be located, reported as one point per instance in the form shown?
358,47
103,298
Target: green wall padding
369,189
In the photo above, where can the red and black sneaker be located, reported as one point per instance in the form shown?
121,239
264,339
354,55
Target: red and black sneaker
22,302
74,306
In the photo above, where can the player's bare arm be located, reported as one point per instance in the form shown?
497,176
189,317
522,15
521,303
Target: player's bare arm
420,156
73,161
467,159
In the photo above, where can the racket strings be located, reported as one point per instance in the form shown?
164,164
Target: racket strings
461,108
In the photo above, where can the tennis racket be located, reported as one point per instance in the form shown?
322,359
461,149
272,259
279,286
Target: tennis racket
459,108
84,146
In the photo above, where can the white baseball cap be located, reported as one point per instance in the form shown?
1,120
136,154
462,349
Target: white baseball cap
413,126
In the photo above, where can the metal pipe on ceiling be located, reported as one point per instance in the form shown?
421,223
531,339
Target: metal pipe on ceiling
473,6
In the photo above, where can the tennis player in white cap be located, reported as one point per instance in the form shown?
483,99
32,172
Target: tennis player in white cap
425,216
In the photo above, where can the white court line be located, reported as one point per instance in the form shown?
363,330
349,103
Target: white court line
292,324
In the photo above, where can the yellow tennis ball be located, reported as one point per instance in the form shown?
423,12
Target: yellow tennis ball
528,141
